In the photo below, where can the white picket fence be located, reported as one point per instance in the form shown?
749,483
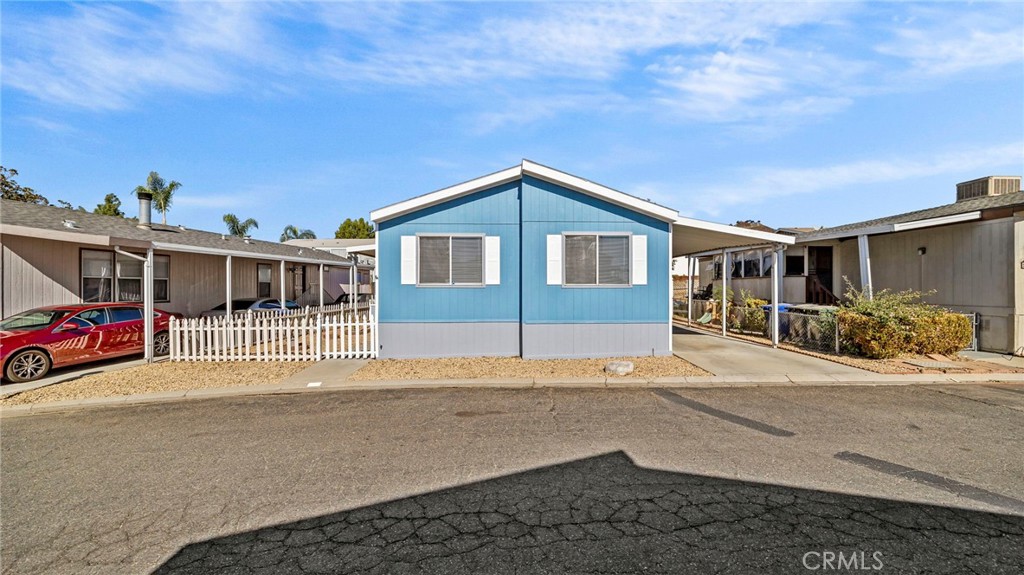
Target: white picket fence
257,336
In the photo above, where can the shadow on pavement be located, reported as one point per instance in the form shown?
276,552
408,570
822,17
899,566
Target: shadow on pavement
606,515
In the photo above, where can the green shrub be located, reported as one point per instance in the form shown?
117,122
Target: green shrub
896,323
946,333
751,318
874,337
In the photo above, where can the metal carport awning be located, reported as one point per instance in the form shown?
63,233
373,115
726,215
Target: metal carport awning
691,236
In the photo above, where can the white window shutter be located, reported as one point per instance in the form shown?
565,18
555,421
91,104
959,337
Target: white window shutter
639,249
492,260
408,260
554,260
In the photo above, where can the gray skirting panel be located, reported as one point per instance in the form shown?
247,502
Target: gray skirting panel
413,340
550,341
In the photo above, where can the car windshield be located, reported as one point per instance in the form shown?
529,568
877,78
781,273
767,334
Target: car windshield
33,319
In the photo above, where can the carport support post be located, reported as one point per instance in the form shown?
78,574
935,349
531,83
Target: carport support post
282,288
321,285
227,286
147,305
775,298
725,292
865,265
689,290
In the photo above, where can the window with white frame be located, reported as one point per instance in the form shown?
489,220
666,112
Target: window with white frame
592,259
451,260
109,276
262,280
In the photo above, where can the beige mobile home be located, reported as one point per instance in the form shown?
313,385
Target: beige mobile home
970,252
53,256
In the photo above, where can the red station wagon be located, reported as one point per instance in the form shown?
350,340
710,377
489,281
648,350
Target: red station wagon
34,341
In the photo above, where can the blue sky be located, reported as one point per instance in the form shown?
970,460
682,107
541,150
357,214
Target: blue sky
793,114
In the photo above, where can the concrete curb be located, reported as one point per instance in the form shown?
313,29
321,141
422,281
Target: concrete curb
696,382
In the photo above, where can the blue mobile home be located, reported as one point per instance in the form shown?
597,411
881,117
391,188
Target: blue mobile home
529,262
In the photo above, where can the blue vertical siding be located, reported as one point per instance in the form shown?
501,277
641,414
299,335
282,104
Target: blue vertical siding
494,212
550,209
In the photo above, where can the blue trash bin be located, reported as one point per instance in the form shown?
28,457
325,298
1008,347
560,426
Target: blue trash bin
783,320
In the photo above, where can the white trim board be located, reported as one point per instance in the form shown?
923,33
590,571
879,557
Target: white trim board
516,172
896,227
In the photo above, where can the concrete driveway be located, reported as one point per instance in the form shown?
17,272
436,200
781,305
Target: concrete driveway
722,356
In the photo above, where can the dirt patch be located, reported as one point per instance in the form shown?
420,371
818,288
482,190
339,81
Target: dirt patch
165,376
895,366
514,367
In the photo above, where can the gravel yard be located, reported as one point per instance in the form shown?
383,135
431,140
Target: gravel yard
164,376
514,367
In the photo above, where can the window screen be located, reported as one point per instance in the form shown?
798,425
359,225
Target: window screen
435,260
613,260
596,260
581,260
467,260
451,260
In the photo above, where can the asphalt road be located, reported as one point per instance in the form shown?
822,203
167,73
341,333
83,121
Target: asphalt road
745,480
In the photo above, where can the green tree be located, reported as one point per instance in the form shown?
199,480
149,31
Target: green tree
162,193
111,206
12,190
354,229
237,227
68,206
294,233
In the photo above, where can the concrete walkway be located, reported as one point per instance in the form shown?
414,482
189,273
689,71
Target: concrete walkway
725,356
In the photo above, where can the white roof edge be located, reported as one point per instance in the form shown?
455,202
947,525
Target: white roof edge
534,169
890,228
256,256
597,190
364,249
736,231
939,221
449,193
868,231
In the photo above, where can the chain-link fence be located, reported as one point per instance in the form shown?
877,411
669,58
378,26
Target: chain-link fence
817,331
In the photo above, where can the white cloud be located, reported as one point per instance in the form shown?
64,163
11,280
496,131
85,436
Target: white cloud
939,45
563,40
108,57
764,65
756,186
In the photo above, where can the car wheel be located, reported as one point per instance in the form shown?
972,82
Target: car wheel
28,365
162,343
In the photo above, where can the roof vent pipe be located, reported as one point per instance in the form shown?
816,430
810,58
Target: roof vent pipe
145,210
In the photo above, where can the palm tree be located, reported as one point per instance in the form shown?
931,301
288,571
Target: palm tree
239,228
162,193
294,233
